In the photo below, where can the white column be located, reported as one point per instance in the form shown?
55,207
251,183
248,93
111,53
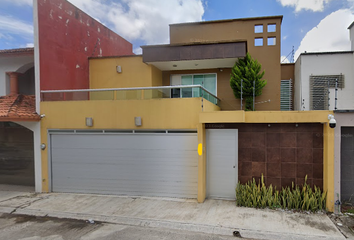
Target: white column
35,127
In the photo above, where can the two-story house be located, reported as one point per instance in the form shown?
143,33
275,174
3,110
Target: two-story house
132,124
324,80
166,123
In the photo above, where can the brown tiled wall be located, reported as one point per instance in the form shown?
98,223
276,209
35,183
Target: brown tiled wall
283,153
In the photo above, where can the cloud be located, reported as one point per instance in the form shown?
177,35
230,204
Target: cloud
284,59
146,20
29,45
13,26
331,34
19,2
312,5
138,50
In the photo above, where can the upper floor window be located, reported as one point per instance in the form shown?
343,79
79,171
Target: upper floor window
258,42
208,81
271,27
258,28
271,41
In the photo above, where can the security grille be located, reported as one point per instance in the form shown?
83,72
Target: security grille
319,90
286,95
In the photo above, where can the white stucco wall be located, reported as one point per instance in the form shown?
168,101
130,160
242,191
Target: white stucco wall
297,86
35,127
12,64
351,36
324,64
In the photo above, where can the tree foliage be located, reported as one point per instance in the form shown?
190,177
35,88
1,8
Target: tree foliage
249,70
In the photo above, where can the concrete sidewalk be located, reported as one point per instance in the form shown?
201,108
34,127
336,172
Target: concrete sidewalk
213,216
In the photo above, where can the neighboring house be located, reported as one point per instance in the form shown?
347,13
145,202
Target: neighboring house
19,121
317,74
132,124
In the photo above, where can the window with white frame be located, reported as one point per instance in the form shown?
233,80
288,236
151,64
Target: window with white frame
208,81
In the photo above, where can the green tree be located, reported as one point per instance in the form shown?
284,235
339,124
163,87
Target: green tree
249,70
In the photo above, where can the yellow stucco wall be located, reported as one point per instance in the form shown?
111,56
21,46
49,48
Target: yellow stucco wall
155,113
201,164
184,113
135,73
328,165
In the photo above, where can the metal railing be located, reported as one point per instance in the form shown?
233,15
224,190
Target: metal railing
138,93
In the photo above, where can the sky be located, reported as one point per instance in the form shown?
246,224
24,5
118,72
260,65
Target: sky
308,25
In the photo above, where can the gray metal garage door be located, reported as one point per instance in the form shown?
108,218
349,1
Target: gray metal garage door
146,164
222,159
347,164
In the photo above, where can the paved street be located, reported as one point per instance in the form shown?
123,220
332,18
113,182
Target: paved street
16,227
139,217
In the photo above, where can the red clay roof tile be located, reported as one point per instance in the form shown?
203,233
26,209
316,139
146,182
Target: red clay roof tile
17,51
18,108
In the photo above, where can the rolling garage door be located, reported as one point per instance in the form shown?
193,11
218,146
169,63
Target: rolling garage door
136,164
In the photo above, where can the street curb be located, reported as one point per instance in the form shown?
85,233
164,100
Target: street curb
153,223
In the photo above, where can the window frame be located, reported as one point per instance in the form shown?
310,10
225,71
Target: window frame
193,74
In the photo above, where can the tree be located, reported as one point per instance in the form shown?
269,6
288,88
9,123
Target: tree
248,70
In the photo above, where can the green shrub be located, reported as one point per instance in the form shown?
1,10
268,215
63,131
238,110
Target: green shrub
259,195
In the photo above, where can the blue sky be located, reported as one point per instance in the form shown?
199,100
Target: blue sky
308,25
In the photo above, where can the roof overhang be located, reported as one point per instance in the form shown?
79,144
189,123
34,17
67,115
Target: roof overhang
16,52
196,56
17,108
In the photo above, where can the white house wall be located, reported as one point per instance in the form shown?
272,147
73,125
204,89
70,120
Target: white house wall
324,64
297,86
11,64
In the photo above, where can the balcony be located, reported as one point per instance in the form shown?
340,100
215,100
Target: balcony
143,93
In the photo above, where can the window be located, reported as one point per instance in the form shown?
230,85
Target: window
286,95
258,42
208,81
272,27
271,41
319,88
258,28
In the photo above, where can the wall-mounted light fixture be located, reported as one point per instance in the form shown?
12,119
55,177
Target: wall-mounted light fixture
43,146
268,125
119,69
137,121
89,122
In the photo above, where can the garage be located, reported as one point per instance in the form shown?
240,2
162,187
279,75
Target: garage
222,161
133,163
347,165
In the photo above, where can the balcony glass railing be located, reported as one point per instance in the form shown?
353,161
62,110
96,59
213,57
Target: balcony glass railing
181,91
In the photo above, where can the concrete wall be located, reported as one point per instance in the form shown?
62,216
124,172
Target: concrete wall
241,30
351,36
67,37
298,105
12,64
325,64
